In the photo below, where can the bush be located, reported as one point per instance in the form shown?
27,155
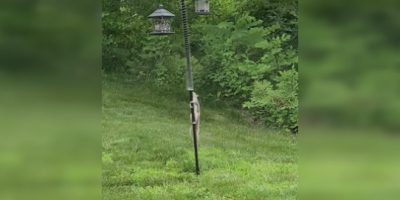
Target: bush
123,30
251,66
277,106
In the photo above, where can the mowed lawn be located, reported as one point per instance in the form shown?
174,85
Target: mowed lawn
148,151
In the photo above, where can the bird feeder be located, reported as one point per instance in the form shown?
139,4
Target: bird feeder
162,19
202,7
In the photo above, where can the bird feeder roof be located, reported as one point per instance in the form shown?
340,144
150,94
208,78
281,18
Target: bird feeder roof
161,12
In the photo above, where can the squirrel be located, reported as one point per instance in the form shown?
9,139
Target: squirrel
196,105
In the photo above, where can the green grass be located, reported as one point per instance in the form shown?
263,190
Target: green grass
148,151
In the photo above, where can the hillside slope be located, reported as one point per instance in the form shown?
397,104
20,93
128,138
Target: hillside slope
148,152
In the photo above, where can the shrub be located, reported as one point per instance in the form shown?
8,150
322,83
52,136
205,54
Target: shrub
277,106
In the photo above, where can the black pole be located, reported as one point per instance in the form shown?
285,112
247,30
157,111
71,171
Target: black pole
189,79
194,129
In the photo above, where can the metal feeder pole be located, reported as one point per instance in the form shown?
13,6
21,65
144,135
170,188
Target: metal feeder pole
189,80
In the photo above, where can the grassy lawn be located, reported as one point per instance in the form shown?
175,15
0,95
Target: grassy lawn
148,151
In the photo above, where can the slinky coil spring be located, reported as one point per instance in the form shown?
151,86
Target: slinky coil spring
185,26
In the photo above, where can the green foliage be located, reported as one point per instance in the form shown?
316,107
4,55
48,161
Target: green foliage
159,63
245,57
277,106
282,12
122,34
241,53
